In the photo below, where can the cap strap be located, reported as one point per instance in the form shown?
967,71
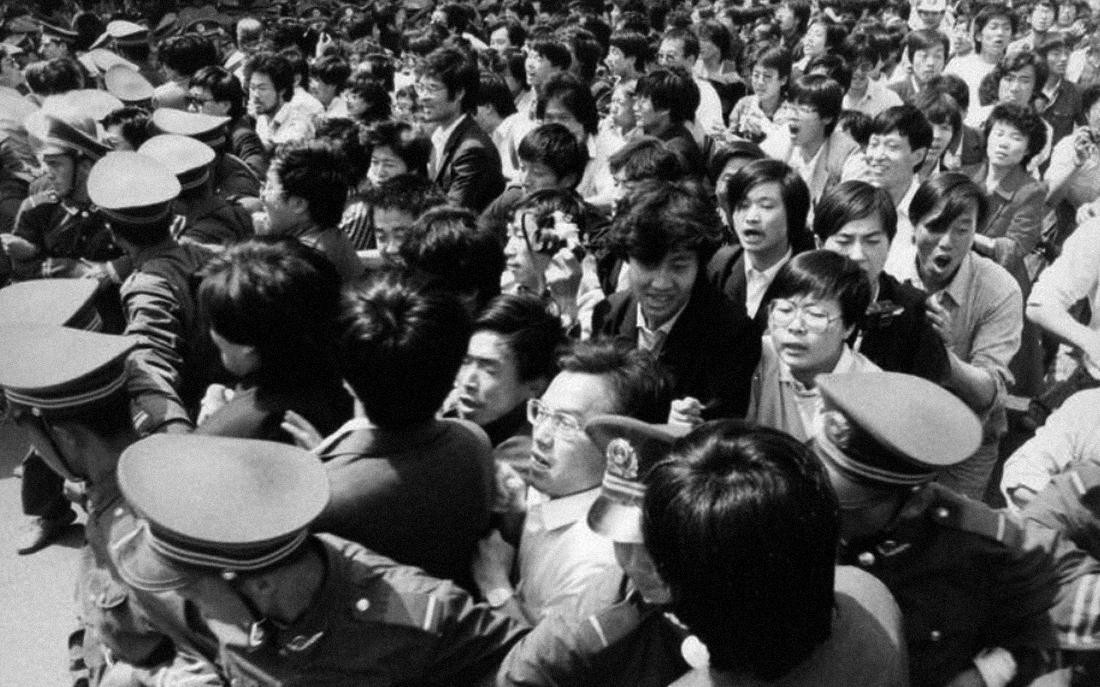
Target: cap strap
835,455
72,400
210,559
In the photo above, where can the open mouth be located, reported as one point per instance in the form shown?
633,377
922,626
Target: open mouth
941,261
469,403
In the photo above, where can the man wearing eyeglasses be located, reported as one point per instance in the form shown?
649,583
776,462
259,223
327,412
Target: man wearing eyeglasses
564,568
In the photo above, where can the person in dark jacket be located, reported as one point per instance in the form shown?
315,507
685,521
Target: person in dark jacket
665,101
666,235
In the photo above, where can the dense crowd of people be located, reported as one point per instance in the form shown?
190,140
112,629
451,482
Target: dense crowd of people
541,343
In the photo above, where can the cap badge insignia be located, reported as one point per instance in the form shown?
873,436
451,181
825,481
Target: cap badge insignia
622,460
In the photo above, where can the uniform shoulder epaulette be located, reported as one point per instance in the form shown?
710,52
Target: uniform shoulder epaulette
958,512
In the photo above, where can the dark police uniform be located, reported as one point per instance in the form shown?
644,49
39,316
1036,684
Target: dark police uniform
218,508
167,374
232,177
964,575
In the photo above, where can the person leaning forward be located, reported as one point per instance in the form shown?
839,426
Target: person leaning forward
226,523
975,597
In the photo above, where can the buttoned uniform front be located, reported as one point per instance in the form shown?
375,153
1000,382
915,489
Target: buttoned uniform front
372,622
65,234
962,581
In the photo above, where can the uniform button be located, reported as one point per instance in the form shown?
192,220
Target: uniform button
935,635
942,513
362,605
866,559
119,512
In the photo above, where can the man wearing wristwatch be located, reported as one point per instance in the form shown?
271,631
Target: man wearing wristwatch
563,567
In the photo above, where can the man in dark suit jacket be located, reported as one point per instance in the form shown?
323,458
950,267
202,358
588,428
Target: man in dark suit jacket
465,163
665,234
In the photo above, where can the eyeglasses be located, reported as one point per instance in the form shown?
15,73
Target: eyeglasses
561,424
782,313
432,88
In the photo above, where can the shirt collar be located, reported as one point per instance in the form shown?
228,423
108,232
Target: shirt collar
845,363
563,511
903,204
769,274
666,327
441,136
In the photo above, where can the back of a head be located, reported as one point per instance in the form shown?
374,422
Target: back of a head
251,292
400,348
646,158
738,508
670,89
409,193
447,245
556,147
316,173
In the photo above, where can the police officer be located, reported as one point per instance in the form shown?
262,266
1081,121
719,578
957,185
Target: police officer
129,86
233,179
168,367
57,233
228,519
65,388
51,302
207,218
974,597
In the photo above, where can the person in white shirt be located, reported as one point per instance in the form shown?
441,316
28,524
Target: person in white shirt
270,88
327,78
900,138
867,93
302,99
680,48
993,28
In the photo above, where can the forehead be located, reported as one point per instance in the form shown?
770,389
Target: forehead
383,151
865,226
893,138
579,393
1026,71
392,218
260,79
769,190
998,21
672,45
558,106
491,346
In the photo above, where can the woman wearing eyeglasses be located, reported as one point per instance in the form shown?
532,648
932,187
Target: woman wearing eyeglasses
819,298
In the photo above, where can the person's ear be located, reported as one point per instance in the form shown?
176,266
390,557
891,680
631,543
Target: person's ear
297,205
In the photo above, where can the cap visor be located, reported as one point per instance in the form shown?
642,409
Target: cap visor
618,522
853,494
141,567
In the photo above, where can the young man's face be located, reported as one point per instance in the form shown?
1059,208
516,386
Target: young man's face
930,20
928,64
436,105
390,227
539,69
564,460
263,98
807,128
556,112
865,242
890,160
536,176
385,165
201,100
526,265
995,35
283,212
488,383
766,82
663,289
62,173
322,91
650,119
1042,18
1058,60
622,107
1018,86
760,220
940,253
498,40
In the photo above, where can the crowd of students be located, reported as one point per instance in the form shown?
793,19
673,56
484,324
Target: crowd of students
540,309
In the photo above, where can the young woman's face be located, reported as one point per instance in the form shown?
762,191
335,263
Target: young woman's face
808,332
813,44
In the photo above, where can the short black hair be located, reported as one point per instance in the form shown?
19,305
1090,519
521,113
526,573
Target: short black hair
574,95
909,122
647,158
643,390
135,124
224,87
633,45
552,49
556,147
742,525
276,68
801,11
792,189
446,245
850,201
833,66
516,33
380,67
826,274
670,89
689,39
400,348
332,70
406,143
1024,120
456,71
953,193
531,332
316,173
952,85
54,77
659,218
823,94
252,290
492,91
715,32
776,58
408,193
374,94
187,54
926,39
